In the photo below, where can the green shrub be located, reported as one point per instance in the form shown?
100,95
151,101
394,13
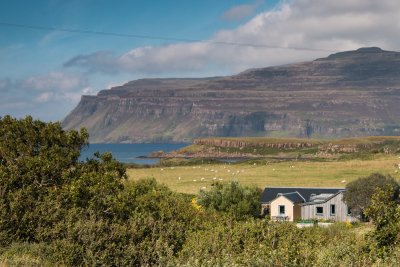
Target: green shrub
232,198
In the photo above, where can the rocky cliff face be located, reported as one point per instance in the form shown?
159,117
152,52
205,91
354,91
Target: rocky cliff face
353,93
233,143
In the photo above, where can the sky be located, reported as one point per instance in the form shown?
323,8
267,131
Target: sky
54,51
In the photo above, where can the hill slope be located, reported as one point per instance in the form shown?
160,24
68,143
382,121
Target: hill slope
354,93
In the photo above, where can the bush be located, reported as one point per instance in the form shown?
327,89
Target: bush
359,192
232,198
58,211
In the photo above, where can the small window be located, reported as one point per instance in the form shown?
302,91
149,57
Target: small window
333,209
319,210
348,211
281,210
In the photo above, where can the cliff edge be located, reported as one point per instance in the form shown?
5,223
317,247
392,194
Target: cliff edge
353,93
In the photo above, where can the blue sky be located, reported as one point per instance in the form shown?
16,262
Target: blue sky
182,19
43,73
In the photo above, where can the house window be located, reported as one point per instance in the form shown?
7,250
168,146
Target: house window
333,209
281,210
348,211
319,210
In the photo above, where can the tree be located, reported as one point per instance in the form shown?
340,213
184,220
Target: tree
83,211
35,159
359,192
42,181
239,201
384,212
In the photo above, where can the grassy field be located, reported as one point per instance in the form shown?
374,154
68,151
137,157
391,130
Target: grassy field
190,179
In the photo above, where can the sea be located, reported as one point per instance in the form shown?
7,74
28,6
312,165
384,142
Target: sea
129,153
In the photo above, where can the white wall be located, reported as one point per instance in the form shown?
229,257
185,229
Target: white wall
282,200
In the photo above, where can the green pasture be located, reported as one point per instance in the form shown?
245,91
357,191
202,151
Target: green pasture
190,179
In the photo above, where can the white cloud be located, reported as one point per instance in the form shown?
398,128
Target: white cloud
56,81
50,96
44,97
88,91
4,85
240,12
114,84
324,24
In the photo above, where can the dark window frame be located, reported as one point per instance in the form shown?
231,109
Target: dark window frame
348,211
280,209
319,213
332,211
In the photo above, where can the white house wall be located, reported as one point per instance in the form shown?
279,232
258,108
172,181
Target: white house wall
282,201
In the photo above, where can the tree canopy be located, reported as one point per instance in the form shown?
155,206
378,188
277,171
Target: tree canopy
239,201
359,192
56,210
385,214
83,210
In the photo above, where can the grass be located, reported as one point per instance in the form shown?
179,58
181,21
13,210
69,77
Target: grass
365,140
261,174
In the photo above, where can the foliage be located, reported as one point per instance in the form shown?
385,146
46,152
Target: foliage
36,160
384,212
359,192
83,210
363,147
239,201
263,243
58,211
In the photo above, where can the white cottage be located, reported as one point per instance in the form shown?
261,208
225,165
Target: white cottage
293,203
286,206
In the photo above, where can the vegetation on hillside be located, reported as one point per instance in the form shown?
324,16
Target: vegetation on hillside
288,147
59,211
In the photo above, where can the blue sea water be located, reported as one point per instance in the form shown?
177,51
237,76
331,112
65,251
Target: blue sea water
129,153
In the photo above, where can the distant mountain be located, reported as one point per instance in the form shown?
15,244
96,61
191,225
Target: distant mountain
354,93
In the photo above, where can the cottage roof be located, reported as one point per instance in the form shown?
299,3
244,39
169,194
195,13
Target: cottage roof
295,197
270,193
320,197
321,200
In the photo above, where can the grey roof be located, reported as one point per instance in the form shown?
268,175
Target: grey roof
320,201
270,193
295,197
320,197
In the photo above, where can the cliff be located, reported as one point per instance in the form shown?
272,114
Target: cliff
354,93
